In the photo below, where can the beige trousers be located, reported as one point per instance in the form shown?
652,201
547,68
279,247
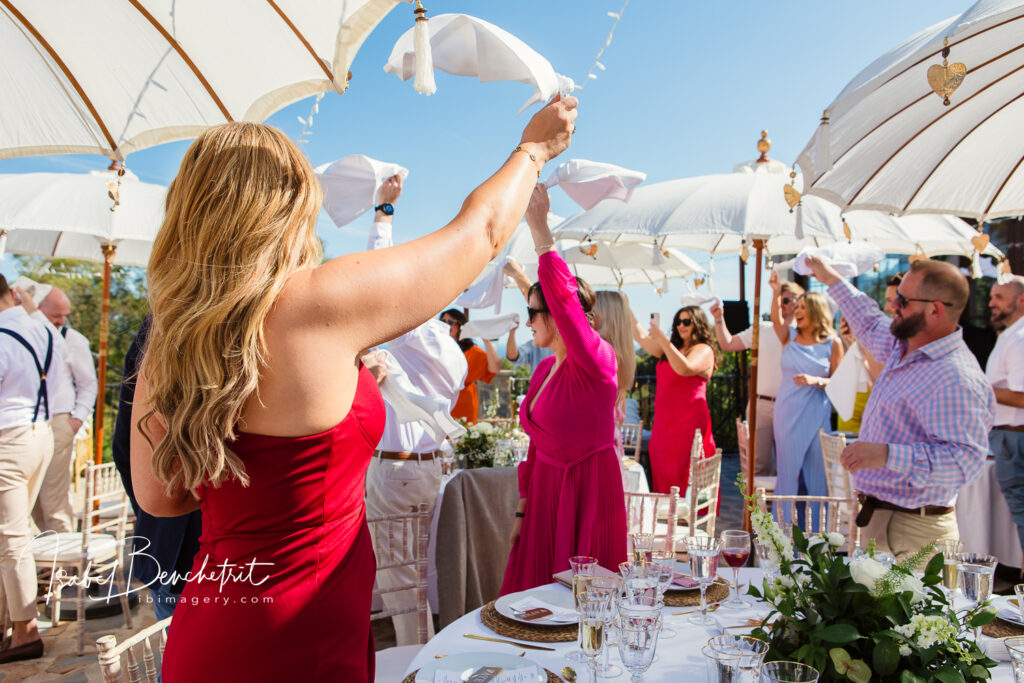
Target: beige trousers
765,465
397,487
904,533
54,509
25,453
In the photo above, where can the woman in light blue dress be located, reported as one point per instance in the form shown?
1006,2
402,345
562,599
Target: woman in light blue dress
811,352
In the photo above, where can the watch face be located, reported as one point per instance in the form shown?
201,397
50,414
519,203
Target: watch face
388,209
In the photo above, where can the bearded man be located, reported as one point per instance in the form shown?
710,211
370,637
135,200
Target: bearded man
924,432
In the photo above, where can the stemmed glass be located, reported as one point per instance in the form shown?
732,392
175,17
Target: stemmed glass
638,640
592,608
663,566
1015,648
976,575
752,652
703,552
735,552
764,558
1018,590
613,586
582,574
788,672
639,578
722,663
949,549
642,545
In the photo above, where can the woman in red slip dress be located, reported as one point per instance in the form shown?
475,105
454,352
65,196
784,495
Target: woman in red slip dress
252,405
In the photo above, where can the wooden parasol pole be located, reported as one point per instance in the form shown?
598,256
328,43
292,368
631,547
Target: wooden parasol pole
752,421
101,368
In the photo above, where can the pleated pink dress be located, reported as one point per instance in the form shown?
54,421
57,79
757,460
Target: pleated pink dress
571,478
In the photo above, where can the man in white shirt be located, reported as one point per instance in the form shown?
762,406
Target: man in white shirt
1005,371
27,353
406,469
769,370
54,509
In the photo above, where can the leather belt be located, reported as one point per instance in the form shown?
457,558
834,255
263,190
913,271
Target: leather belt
869,504
394,455
1010,428
762,397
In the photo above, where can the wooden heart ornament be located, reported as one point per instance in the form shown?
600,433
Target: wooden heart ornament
944,80
791,195
980,242
589,250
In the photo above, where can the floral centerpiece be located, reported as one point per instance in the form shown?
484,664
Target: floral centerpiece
861,620
488,445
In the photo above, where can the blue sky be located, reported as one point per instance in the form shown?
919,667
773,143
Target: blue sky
688,87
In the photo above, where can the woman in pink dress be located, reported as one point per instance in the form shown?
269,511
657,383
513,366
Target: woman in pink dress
687,362
570,485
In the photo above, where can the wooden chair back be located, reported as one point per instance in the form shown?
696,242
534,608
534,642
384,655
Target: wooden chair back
631,436
840,483
401,541
833,517
654,513
705,482
145,649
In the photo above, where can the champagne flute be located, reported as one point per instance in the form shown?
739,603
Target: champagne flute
703,552
592,611
583,567
950,574
736,552
638,640
613,586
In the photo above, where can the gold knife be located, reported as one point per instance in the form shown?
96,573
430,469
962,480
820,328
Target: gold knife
508,642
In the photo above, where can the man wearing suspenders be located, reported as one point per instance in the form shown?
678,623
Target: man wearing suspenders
26,446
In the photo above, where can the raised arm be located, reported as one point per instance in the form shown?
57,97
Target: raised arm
511,350
641,337
515,271
377,295
700,360
780,326
726,341
493,361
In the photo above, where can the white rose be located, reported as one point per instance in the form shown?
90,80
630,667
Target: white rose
835,539
915,586
866,571
787,581
905,650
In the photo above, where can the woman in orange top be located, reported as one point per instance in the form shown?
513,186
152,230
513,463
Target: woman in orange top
483,366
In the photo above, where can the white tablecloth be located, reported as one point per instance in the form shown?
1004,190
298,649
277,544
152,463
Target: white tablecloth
984,519
679,658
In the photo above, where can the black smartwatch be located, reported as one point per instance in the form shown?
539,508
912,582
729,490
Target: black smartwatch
386,208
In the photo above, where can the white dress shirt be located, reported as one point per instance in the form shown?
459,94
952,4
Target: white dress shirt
433,365
1005,370
769,358
19,378
83,374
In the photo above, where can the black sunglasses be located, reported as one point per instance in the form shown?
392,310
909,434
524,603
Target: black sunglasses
685,322
449,321
901,301
786,300
531,312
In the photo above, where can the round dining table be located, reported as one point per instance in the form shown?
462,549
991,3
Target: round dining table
678,658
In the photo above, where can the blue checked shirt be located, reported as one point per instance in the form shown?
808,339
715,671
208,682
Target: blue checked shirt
933,407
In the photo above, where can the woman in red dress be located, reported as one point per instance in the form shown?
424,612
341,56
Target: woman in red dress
252,405
687,361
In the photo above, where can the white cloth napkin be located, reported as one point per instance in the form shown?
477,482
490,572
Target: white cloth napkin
850,377
489,329
589,182
527,674
994,648
559,615
463,45
351,185
699,300
412,405
36,290
486,292
850,259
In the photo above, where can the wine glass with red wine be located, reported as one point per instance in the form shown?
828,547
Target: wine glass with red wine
736,552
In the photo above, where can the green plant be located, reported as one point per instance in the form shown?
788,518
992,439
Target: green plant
861,620
480,446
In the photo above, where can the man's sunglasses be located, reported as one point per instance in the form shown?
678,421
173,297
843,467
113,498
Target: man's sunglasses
901,301
786,300
685,322
532,312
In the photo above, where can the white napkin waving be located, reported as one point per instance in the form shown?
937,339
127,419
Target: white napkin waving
699,300
559,615
486,292
411,405
849,259
589,182
463,45
489,329
850,377
351,185
36,290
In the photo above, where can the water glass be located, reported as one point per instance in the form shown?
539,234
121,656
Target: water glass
583,567
736,552
592,608
703,553
447,463
722,663
638,640
977,573
642,545
764,559
1019,592
788,672
639,578
613,586
752,653
1015,648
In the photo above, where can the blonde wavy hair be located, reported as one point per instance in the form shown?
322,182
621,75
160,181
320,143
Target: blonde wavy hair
819,313
240,219
615,327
